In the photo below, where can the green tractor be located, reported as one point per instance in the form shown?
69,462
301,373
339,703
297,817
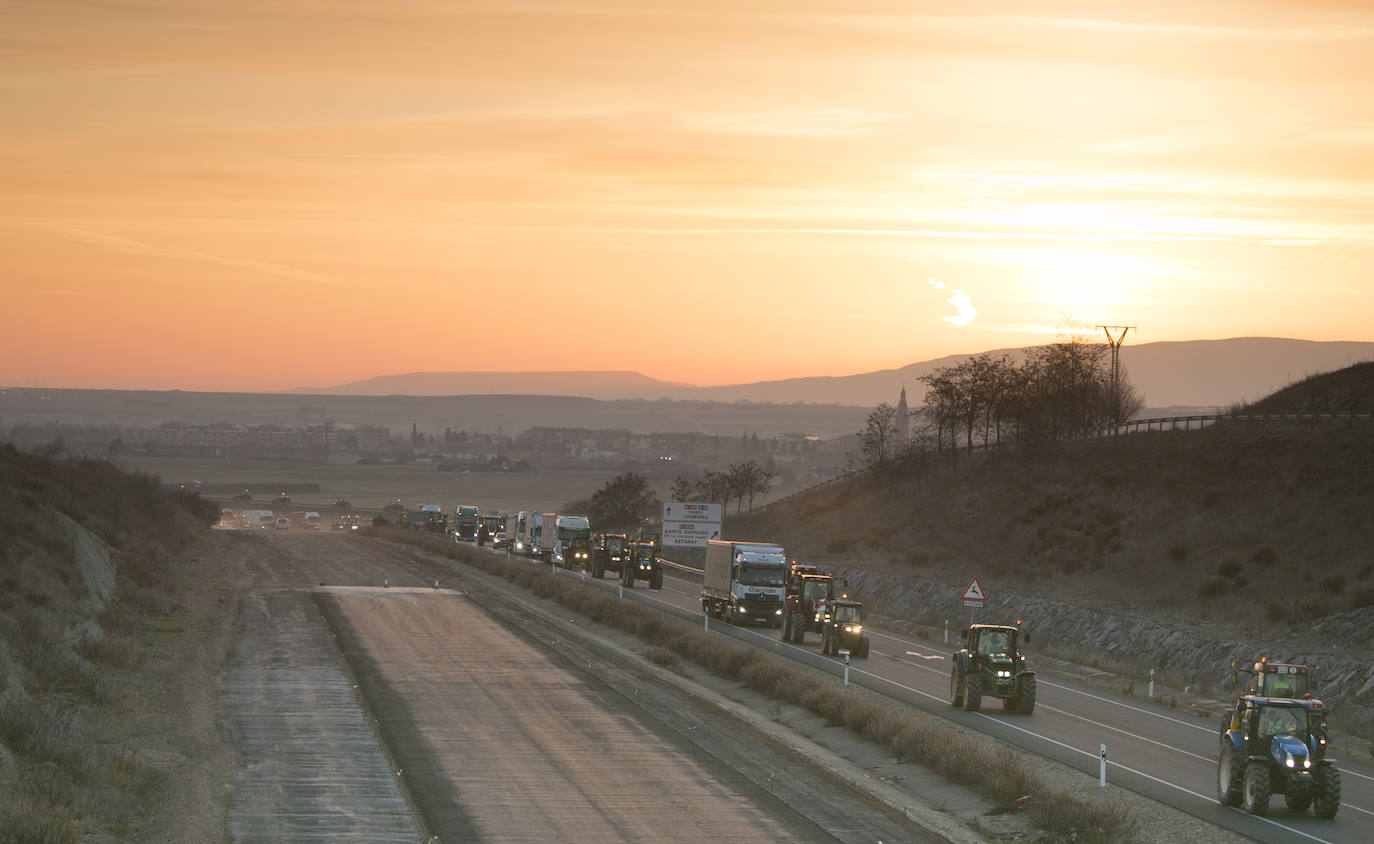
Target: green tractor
992,666
1277,746
842,628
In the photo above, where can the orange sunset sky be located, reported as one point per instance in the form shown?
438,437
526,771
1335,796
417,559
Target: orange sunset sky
264,194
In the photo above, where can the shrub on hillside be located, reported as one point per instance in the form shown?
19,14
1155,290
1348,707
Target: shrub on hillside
1178,551
1264,557
1213,587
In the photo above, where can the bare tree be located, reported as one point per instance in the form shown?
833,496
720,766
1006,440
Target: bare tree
876,440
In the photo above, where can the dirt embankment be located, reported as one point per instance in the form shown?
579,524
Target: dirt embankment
115,612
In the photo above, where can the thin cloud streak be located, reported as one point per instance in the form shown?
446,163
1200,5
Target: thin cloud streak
125,245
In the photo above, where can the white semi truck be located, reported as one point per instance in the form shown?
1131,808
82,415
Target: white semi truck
566,540
744,582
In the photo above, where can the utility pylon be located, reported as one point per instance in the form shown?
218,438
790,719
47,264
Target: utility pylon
1116,367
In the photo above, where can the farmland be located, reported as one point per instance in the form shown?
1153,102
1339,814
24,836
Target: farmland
372,486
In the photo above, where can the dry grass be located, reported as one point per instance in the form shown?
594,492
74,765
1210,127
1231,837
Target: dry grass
68,667
1163,519
995,772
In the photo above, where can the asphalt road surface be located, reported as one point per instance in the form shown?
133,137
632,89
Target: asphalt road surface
498,729
1162,753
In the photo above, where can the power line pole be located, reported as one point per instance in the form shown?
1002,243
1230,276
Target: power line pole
1116,367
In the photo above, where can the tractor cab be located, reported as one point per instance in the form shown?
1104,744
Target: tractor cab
1277,679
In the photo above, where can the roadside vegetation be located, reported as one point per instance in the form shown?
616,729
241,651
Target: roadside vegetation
85,556
993,771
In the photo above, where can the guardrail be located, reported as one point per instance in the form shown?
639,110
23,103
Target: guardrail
1174,423
689,571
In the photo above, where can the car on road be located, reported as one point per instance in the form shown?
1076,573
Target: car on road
501,540
283,523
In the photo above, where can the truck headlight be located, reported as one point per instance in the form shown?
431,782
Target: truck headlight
1288,761
777,612
741,609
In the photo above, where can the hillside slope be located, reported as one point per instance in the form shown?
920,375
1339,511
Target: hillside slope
1248,539
95,738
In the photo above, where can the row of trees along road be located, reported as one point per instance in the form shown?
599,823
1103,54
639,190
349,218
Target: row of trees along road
742,483
627,498
1055,392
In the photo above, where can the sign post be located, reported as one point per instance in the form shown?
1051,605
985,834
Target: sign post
973,597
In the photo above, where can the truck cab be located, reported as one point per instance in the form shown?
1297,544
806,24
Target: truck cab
744,582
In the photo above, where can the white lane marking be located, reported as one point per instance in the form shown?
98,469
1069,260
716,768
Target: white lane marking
648,596
1123,732
925,656
1159,715
1147,776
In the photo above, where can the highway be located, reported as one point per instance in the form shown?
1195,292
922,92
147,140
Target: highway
503,725
1161,753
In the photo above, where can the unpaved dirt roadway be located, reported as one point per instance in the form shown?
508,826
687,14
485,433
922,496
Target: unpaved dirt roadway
497,730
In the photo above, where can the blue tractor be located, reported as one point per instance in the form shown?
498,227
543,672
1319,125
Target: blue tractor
1277,746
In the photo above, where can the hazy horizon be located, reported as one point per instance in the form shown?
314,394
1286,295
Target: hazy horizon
228,196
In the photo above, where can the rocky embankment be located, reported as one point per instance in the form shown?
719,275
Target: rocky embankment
1196,655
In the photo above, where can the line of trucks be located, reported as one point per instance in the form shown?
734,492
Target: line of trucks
1273,741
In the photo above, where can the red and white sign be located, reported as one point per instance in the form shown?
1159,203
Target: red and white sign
973,594
688,524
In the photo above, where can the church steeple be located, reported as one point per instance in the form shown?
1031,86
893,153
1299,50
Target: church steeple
903,422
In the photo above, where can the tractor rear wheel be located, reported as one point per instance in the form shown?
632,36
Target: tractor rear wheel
1256,797
956,688
1230,775
973,692
1328,797
787,627
863,649
1025,695
656,579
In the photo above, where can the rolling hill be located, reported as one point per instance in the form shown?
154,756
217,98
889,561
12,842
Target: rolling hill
1192,374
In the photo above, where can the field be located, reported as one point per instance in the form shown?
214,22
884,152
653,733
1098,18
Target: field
371,487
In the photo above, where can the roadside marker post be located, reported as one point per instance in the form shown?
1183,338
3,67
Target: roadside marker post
705,619
844,652
1152,684
1102,769
946,631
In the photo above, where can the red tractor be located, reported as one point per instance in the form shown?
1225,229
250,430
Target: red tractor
805,598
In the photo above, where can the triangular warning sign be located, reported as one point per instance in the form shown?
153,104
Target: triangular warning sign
973,592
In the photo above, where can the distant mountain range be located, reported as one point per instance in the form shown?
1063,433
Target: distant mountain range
1192,374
